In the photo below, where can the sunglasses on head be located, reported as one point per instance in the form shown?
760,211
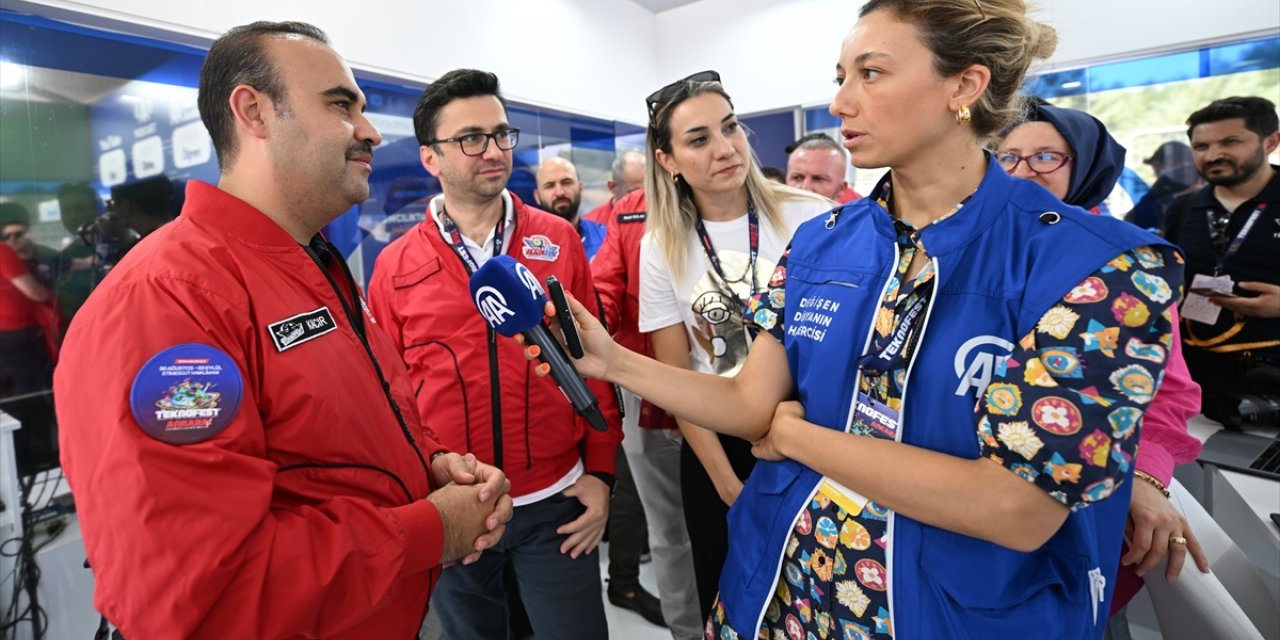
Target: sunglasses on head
663,95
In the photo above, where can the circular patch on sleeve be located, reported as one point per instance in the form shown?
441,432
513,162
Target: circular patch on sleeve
186,394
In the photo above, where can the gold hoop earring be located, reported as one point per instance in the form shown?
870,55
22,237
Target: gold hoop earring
963,114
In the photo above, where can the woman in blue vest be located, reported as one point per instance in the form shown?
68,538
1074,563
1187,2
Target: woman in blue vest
947,389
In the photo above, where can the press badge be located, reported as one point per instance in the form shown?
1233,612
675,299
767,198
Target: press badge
186,394
877,418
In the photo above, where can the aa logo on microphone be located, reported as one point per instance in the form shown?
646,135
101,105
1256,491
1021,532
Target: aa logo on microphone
493,305
529,281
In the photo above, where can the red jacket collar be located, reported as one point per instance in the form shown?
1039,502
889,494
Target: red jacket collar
212,207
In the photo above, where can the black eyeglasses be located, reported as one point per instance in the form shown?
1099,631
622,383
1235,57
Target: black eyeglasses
661,96
1040,162
475,144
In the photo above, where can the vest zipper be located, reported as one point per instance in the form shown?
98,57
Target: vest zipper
853,406
356,323
902,413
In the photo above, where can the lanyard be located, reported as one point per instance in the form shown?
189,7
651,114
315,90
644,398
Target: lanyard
1238,240
324,253
455,238
753,225
890,353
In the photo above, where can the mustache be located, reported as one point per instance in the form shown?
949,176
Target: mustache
361,149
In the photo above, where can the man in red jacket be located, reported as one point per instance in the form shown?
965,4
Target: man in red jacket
627,176
652,441
478,388
240,437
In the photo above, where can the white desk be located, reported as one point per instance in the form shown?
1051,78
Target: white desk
1242,504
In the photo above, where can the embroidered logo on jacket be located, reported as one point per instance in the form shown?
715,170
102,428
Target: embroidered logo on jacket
295,330
540,247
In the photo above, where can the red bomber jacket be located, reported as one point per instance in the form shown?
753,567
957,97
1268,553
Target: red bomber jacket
278,492
474,387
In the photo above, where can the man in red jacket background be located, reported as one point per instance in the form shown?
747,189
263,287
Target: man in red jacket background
240,437
653,440
478,388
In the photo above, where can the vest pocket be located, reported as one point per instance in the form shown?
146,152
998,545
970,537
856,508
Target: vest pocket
828,276
760,521
990,591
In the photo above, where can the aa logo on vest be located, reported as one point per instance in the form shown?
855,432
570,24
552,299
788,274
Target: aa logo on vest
975,372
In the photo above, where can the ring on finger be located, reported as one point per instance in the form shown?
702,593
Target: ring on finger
1177,540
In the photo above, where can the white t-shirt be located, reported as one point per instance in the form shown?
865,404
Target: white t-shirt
710,313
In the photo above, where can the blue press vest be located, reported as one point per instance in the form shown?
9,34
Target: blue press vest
999,268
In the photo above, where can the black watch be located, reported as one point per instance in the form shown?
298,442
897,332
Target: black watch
608,479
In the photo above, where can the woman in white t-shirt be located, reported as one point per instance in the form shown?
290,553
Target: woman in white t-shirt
716,228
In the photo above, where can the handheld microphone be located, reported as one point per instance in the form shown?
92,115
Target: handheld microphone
512,301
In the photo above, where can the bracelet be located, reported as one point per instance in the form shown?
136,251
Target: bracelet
1150,479
432,459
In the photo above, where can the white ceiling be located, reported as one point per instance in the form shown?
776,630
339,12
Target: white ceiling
658,6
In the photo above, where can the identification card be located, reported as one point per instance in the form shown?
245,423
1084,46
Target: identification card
1205,284
877,418
1199,308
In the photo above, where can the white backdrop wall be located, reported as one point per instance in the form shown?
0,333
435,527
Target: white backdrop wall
601,57
590,57
782,53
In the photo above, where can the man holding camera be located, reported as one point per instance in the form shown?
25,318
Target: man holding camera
1230,232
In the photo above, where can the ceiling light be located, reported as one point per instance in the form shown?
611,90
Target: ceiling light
11,75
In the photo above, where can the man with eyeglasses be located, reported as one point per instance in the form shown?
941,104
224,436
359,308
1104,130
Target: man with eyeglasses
15,231
1230,231
478,389
25,313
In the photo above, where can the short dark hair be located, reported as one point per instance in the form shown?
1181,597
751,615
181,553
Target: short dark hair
14,213
237,58
1259,114
459,83
152,197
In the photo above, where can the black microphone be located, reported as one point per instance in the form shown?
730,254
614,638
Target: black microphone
512,301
